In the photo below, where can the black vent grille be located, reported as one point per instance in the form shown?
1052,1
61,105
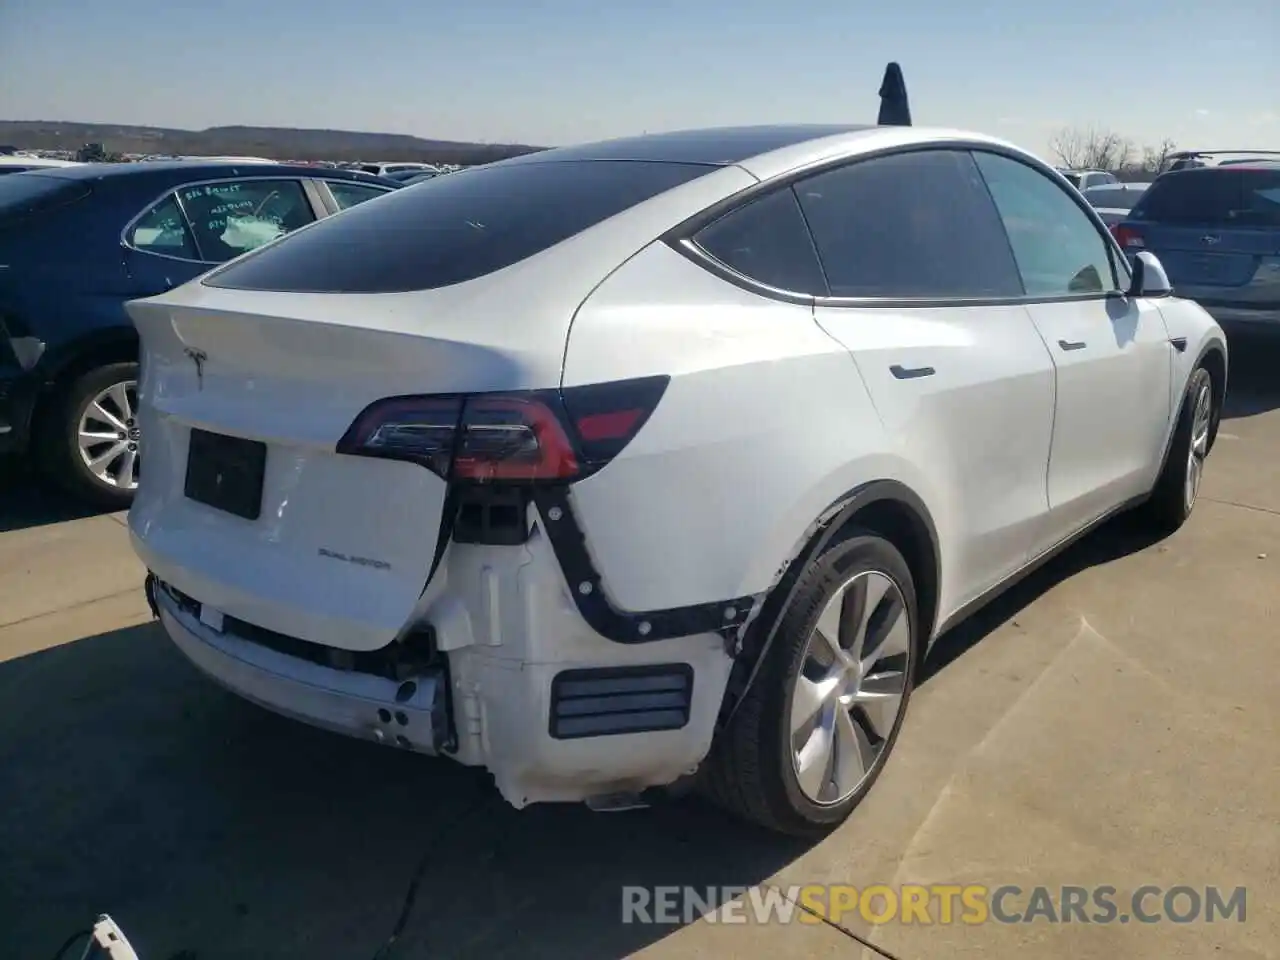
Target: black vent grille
604,702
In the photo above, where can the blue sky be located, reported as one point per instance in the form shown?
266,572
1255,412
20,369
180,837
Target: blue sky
562,71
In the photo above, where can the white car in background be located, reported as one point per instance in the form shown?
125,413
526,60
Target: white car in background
21,163
387,169
1084,179
1113,201
608,465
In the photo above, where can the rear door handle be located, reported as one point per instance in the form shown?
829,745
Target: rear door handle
911,373
1071,344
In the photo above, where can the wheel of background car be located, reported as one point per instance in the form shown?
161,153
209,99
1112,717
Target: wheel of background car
1175,493
90,443
816,729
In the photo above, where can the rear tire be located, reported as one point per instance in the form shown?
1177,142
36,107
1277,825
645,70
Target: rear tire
88,442
766,765
1178,486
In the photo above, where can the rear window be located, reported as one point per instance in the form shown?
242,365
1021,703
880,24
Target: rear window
1113,198
30,192
448,230
1217,196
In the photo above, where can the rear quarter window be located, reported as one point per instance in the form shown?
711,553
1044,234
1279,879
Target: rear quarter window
452,229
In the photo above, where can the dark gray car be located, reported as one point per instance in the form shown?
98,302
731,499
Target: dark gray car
1216,230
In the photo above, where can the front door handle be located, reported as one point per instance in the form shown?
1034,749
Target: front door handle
911,373
1071,344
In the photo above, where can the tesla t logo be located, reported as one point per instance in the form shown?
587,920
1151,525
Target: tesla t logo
198,357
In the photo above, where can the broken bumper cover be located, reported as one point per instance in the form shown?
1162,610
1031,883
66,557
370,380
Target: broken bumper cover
411,713
570,717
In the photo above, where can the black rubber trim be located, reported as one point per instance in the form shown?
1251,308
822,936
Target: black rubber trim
859,498
591,597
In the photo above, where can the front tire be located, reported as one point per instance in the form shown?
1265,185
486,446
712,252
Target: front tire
1176,490
815,730
89,442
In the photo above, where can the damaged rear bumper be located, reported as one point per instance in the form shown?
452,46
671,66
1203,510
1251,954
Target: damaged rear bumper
520,685
411,713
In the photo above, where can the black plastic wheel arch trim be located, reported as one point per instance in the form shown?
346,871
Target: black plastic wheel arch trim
591,597
840,512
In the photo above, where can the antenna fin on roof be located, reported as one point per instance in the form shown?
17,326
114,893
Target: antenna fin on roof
895,111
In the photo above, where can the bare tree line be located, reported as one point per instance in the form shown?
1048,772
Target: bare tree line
1096,148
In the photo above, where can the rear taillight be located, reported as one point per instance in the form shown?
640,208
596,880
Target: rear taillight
1128,237
532,437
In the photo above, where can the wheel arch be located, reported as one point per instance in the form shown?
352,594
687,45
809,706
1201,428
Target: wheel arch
1214,359
67,363
888,508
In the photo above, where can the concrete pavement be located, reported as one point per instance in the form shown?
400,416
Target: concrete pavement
1113,720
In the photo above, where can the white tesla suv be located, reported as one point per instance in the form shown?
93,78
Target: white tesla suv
615,464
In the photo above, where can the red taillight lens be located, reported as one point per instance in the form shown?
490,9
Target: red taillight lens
530,437
421,429
1127,237
512,438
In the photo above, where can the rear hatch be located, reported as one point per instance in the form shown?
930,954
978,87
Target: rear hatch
1213,228
243,501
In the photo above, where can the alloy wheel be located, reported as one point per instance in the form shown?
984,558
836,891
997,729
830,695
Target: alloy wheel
107,435
1201,421
850,689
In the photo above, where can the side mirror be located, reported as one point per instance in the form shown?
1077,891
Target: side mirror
1149,278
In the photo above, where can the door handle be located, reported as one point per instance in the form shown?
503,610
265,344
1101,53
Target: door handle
911,373
1072,344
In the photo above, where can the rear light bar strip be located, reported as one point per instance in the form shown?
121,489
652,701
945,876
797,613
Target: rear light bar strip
589,594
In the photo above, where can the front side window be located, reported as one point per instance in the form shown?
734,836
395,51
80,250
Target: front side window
767,241
916,225
347,194
1059,250
163,230
456,228
234,216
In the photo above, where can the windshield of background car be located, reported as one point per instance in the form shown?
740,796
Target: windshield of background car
451,229
1073,179
1232,197
29,192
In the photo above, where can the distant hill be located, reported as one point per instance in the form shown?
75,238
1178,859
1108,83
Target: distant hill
276,143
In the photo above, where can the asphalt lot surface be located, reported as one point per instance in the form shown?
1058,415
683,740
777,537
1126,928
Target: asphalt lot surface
1112,720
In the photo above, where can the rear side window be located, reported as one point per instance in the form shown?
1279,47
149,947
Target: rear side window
164,231
909,226
33,192
233,216
767,241
1205,196
456,228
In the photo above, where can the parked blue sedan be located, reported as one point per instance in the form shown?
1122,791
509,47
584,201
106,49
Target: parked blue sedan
77,243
